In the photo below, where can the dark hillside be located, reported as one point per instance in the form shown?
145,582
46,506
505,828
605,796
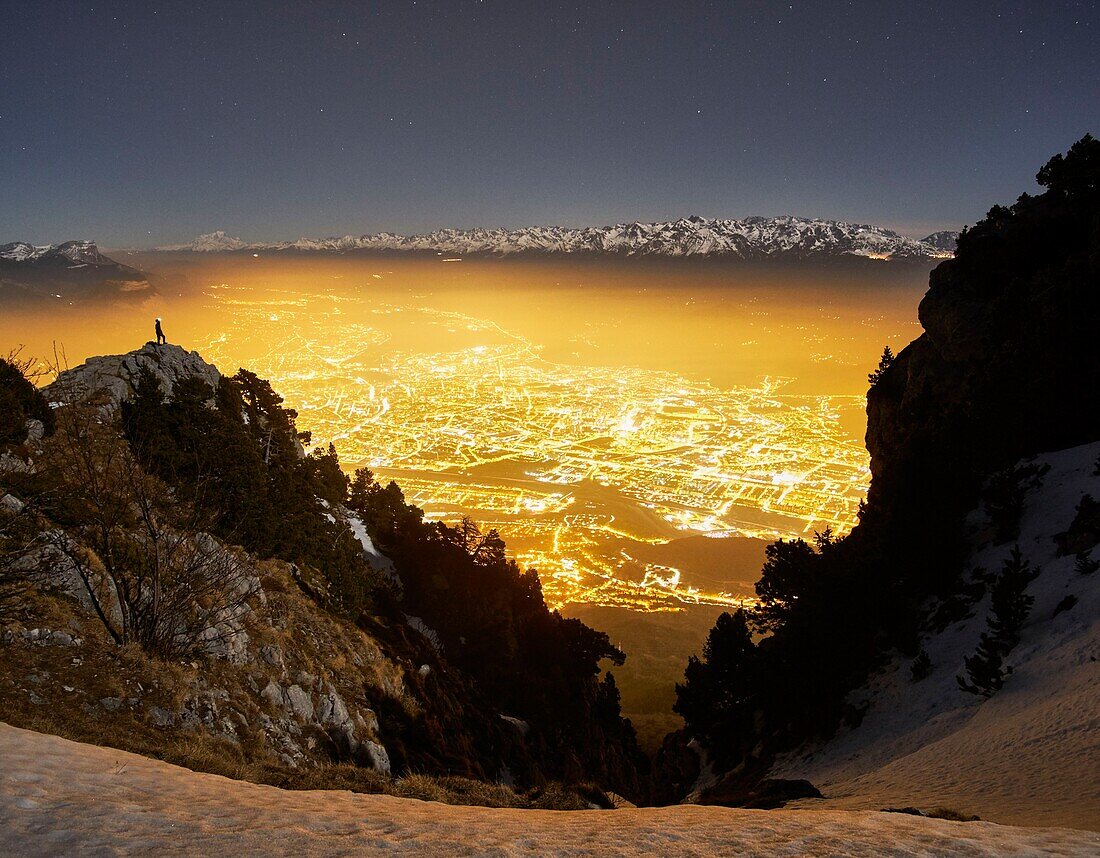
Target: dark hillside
1007,368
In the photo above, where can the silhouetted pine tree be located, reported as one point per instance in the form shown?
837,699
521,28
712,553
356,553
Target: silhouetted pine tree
883,364
921,667
1005,493
1010,602
715,689
1009,609
330,481
20,401
984,668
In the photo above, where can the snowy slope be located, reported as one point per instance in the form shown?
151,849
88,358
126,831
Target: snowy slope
60,797
753,238
944,240
1028,755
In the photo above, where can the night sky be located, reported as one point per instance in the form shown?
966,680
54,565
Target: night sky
137,125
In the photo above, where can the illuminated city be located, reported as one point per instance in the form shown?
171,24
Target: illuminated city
574,465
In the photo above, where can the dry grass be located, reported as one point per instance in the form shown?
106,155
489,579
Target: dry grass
201,752
106,673
61,690
935,813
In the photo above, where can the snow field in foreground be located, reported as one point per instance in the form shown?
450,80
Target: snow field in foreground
61,797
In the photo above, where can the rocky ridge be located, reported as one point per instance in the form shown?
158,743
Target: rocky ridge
1005,367
964,418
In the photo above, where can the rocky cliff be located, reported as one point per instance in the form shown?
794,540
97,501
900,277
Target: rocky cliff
1007,366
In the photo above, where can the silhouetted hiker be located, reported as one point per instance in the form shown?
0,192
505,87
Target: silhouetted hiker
160,333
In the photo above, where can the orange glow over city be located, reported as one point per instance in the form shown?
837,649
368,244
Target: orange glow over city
593,414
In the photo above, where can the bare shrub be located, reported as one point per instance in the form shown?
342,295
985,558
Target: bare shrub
151,573
16,542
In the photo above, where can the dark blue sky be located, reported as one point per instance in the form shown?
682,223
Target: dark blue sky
138,125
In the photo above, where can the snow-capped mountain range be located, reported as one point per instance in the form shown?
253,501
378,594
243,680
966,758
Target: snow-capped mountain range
71,271
753,238
70,254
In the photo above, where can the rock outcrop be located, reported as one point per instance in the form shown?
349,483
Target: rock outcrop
116,375
296,656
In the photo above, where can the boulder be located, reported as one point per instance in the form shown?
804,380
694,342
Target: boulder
331,709
273,695
36,431
298,701
737,790
60,639
162,717
272,655
376,754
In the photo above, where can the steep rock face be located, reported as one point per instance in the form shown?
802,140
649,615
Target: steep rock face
1007,368
116,375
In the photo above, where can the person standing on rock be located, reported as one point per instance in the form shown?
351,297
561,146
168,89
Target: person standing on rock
160,333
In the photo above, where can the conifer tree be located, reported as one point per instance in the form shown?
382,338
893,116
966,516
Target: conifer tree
1011,604
1085,565
883,364
715,689
921,667
20,401
1009,609
985,669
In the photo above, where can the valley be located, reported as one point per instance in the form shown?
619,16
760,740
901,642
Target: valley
620,409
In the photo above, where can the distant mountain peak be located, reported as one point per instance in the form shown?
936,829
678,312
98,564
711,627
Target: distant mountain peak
69,253
944,240
70,271
210,242
753,238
